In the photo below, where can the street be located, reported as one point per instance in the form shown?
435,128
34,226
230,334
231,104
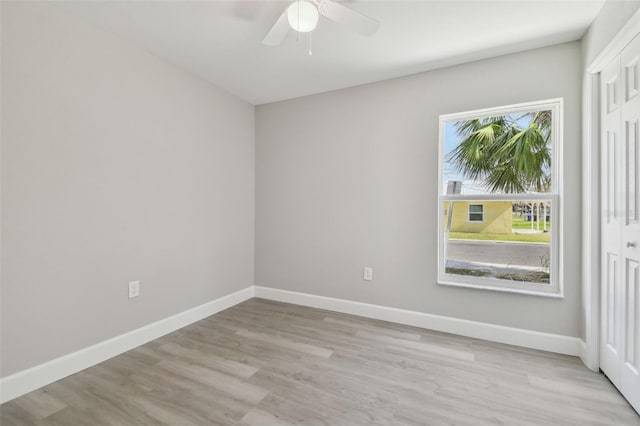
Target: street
499,253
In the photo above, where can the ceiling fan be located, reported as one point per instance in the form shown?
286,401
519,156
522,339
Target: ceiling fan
302,16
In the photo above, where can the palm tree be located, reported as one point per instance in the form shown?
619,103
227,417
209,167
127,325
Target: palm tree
502,154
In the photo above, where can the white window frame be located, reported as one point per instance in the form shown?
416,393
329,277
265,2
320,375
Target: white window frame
469,213
555,288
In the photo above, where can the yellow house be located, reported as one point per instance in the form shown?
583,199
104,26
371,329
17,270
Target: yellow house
493,217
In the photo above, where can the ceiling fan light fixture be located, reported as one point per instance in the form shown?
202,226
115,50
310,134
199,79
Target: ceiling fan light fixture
303,16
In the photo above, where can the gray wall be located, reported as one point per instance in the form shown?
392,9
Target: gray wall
349,178
115,167
612,17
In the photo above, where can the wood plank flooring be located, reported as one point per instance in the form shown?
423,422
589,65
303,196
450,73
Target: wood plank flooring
269,363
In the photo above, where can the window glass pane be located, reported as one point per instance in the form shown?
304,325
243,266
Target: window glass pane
503,154
475,208
512,243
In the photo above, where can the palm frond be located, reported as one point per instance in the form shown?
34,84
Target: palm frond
507,158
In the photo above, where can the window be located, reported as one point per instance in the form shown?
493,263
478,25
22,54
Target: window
475,213
500,199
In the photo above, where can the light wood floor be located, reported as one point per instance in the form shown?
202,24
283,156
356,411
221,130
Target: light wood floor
267,363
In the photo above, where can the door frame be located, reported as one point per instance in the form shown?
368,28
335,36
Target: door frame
591,189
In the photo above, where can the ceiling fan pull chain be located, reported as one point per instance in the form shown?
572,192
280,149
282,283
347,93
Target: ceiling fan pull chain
298,29
310,52
302,16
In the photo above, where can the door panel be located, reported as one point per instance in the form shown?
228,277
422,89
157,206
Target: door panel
632,173
612,177
610,352
631,315
631,77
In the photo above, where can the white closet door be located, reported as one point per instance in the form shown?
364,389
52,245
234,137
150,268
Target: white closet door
620,123
630,237
611,223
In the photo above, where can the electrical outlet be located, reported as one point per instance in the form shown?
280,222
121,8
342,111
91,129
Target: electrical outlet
134,289
368,273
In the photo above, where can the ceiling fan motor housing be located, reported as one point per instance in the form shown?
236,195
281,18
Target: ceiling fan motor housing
302,16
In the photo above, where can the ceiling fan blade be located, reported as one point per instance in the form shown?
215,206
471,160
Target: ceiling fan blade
348,17
278,32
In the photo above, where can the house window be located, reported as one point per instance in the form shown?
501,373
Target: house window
475,213
500,198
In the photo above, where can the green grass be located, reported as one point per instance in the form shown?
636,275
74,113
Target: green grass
520,222
529,238
532,276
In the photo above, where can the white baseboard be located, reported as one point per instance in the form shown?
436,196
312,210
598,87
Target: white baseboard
33,378
496,333
589,356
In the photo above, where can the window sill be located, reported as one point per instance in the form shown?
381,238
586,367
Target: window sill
546,292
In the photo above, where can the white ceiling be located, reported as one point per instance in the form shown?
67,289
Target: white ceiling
221,40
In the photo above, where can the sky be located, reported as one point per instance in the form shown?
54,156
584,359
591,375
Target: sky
451,140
